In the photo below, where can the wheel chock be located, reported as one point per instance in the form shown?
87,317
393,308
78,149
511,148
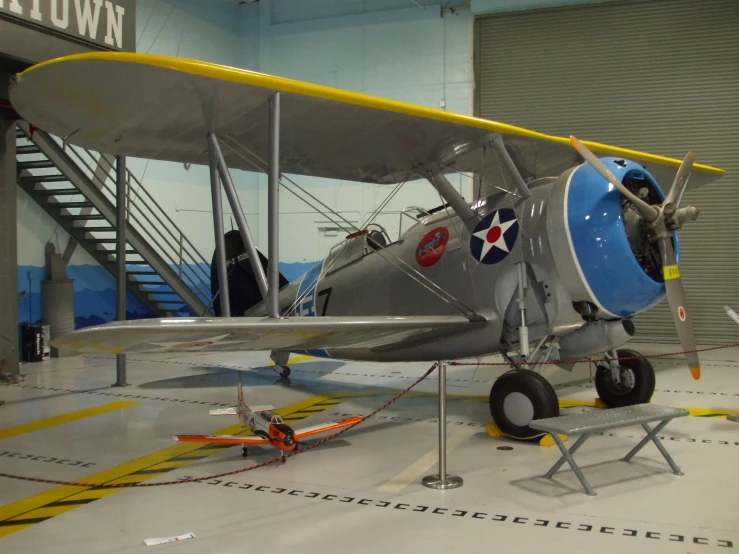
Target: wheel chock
492,430
547,440
600,404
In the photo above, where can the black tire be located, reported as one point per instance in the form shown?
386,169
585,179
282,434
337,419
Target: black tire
244,452
285,373
542,403
637,381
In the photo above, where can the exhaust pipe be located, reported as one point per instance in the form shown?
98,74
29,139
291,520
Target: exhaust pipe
596,338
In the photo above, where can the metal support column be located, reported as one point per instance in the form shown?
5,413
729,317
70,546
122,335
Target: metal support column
273,206
120,260
8,251
215,192
442,481
238,213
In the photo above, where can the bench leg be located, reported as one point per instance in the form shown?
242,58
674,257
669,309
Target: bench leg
652,435
567,456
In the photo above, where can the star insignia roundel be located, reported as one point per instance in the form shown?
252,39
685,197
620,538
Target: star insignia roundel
494,237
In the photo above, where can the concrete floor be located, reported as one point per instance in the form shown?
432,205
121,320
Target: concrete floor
362,490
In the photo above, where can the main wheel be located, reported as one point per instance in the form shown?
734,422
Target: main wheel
285,373
244,451
517,398
636,385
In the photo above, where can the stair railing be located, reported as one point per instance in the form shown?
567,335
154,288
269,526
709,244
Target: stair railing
150,220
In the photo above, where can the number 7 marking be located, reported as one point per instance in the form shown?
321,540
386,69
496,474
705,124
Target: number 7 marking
327,294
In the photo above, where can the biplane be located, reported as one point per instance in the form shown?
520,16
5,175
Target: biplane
550,268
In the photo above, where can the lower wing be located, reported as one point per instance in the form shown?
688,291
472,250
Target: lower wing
225,334
325,427
222,439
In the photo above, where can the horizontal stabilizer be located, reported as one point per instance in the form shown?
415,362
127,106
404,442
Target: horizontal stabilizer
224,411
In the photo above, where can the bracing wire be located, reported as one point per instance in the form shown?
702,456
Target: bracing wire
414,274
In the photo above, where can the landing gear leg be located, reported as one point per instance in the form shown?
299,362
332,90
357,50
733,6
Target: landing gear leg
633,383
280,359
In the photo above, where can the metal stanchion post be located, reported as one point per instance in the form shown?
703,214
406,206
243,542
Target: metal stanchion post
442,481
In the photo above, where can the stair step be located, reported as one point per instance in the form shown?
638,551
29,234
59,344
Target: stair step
56,178
141,272
19,133
27,149
160,292
56,192
35,164
103,241
86,217
72,204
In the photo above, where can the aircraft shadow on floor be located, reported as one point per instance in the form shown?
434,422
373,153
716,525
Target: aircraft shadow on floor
216,376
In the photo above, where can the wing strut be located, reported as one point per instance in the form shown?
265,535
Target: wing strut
216,156
273,207
450,194
215,191
510,166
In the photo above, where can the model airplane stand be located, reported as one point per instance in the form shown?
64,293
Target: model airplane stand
442,481
588,423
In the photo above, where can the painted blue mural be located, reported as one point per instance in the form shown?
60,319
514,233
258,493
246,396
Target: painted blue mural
94,292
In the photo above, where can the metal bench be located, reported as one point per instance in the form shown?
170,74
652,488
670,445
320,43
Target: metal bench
588,423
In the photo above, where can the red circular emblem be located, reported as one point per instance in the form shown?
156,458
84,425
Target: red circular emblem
681,313
432,246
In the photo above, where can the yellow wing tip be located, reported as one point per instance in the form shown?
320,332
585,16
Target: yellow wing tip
695,372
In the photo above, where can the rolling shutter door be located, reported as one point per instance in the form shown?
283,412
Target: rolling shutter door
660,76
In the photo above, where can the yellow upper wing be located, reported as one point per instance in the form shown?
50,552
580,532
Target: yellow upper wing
159,107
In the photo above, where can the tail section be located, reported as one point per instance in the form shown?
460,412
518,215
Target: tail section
242,283
242,407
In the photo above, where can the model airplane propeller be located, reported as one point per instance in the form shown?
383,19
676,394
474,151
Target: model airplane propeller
662,221
551,274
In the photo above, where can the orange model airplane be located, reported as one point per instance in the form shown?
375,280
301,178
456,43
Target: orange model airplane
268,428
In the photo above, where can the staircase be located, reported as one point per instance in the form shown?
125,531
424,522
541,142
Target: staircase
77,189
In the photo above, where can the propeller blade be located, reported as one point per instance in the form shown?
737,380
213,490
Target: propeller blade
679,306
645,210
675,195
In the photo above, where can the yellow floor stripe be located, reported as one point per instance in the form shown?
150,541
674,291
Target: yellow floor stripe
294,360
64,418
34,509
422,465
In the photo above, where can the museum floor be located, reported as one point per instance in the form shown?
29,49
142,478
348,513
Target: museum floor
362,491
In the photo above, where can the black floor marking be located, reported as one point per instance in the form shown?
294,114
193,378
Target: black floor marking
573,525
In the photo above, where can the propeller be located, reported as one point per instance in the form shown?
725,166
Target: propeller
663,220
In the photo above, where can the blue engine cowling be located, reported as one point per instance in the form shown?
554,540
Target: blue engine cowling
592,249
